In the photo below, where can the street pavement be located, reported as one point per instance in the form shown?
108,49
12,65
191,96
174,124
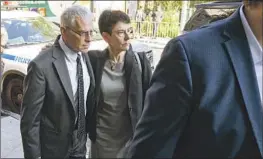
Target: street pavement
11,143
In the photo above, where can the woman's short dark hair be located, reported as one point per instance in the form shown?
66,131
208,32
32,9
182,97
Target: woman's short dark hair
109,18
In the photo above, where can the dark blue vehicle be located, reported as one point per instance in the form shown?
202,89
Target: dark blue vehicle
206,13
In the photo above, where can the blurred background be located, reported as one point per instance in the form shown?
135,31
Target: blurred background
175,13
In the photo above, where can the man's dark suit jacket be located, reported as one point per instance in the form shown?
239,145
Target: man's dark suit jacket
137,82
203,100
48,118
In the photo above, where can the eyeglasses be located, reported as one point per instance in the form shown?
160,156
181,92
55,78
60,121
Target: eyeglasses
123,33
82,33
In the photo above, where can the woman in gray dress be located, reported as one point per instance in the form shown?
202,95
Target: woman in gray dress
122,78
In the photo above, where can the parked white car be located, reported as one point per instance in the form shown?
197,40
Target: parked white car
28,32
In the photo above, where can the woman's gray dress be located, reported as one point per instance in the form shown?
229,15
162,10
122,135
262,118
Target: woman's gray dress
114,127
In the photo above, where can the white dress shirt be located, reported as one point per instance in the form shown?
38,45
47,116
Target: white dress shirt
71,62
256,51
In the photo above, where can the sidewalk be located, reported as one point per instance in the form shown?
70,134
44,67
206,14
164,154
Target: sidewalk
11,143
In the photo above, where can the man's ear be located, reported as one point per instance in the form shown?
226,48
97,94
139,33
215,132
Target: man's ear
106,36
62,30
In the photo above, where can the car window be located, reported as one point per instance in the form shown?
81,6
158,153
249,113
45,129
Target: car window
29,30
97,35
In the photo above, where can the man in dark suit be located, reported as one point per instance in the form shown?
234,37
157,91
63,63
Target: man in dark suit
58,92
205,96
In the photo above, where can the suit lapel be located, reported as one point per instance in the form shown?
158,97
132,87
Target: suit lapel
128,66
91,74
133,81
61,68
90,96
240,55
99,65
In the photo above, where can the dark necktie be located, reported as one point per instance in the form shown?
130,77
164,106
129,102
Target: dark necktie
81,110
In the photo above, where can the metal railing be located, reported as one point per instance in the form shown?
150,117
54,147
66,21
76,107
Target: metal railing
163,29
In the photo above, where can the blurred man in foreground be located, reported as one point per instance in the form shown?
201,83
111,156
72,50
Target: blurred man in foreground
205,97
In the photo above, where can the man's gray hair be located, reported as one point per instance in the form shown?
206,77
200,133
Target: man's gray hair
69,15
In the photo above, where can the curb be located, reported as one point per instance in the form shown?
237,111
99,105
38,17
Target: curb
154,42
155,46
